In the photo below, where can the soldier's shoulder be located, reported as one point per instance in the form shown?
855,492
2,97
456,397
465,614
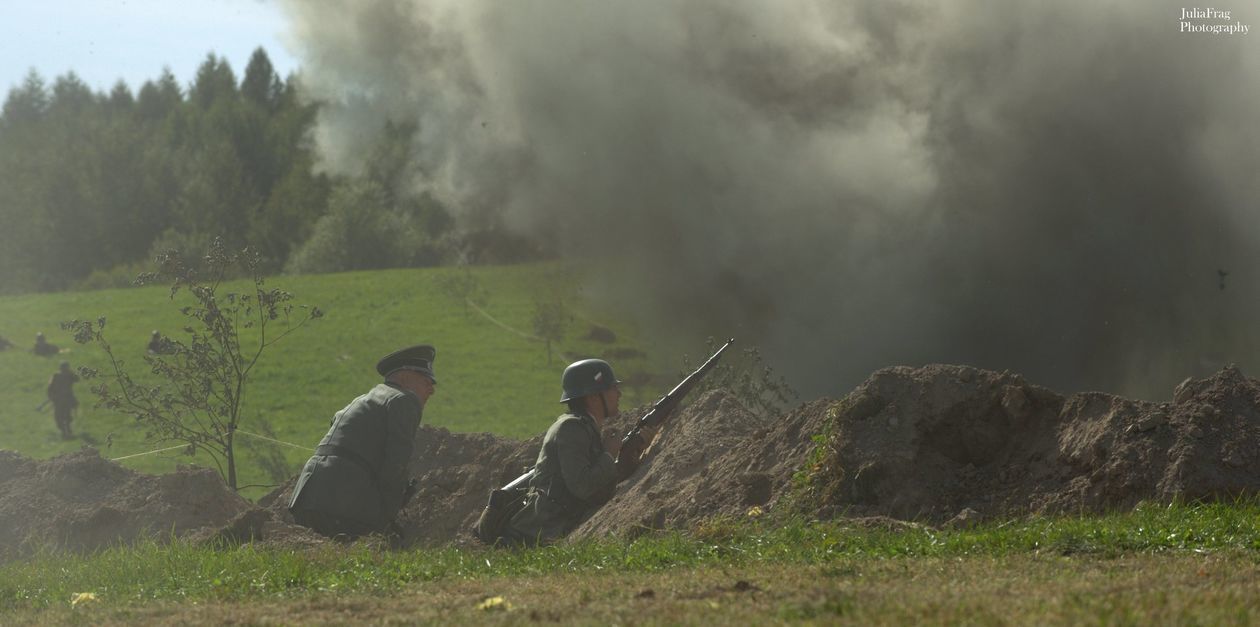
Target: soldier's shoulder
387,394
569,419
571,424
384,392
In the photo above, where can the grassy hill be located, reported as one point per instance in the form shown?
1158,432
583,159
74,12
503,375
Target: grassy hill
491,375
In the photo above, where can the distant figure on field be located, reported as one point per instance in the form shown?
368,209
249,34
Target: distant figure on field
158,344
356,483
5,344
43,348
577,471
61,393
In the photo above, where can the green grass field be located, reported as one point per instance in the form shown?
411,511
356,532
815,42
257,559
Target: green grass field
1176,565
1155,565
490,378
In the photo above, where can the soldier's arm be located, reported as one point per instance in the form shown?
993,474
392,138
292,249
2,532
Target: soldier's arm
400,431
585,478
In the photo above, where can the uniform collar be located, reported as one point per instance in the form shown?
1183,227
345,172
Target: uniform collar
395,386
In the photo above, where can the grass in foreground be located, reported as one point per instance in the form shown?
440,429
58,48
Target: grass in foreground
1173,564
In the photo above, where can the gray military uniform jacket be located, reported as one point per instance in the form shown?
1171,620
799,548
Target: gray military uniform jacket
572,478
359,471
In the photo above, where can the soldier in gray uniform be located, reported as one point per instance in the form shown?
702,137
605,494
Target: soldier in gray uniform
60,393
356,482
576,471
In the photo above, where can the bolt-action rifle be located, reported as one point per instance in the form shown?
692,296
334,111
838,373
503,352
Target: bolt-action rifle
505,502
632,444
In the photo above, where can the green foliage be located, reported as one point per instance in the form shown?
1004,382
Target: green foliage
463,287
376,221
203,377
803,494
551,319
300,384
120,276
90,181
745,375
361,231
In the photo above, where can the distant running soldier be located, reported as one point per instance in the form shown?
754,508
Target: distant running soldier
577,471
61,393
356,482
43,348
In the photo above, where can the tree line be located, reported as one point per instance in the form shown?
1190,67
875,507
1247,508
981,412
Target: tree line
95,185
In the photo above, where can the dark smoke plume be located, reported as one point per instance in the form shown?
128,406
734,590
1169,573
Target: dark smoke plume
1046,187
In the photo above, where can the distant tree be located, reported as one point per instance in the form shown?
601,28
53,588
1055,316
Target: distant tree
214,81
397,225
157,100
203,378
26,104
70,95
355,234
390,165
22,159
261,85
88,181
551,320
120,101
462,286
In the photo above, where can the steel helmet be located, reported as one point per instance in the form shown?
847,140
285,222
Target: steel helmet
589,376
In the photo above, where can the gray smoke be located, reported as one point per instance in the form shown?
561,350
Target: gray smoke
1046,187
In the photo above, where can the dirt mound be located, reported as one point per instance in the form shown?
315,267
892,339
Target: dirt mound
714,458
938,444
82,502
455,473
929,443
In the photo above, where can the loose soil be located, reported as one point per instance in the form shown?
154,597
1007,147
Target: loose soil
948,442
947,445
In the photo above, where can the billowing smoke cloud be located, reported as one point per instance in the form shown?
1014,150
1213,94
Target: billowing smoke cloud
1046,187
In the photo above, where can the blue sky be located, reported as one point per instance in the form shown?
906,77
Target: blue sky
106,40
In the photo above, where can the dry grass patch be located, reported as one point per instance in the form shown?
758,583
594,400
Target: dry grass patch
1029,589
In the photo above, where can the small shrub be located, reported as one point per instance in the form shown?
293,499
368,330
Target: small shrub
746,377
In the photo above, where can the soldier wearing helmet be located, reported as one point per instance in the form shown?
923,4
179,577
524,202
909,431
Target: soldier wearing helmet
356,482
576,471
42,347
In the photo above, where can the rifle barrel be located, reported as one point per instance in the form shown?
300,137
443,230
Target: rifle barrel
519,480
675,395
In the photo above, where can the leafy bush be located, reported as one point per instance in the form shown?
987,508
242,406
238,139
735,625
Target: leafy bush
361,231
122,275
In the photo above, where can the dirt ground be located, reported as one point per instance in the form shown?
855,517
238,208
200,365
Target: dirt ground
80,501
944,443
938,444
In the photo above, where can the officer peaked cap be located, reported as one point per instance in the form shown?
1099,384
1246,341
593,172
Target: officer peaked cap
418,358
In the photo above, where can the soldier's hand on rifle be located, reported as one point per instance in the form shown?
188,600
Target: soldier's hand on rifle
612,443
